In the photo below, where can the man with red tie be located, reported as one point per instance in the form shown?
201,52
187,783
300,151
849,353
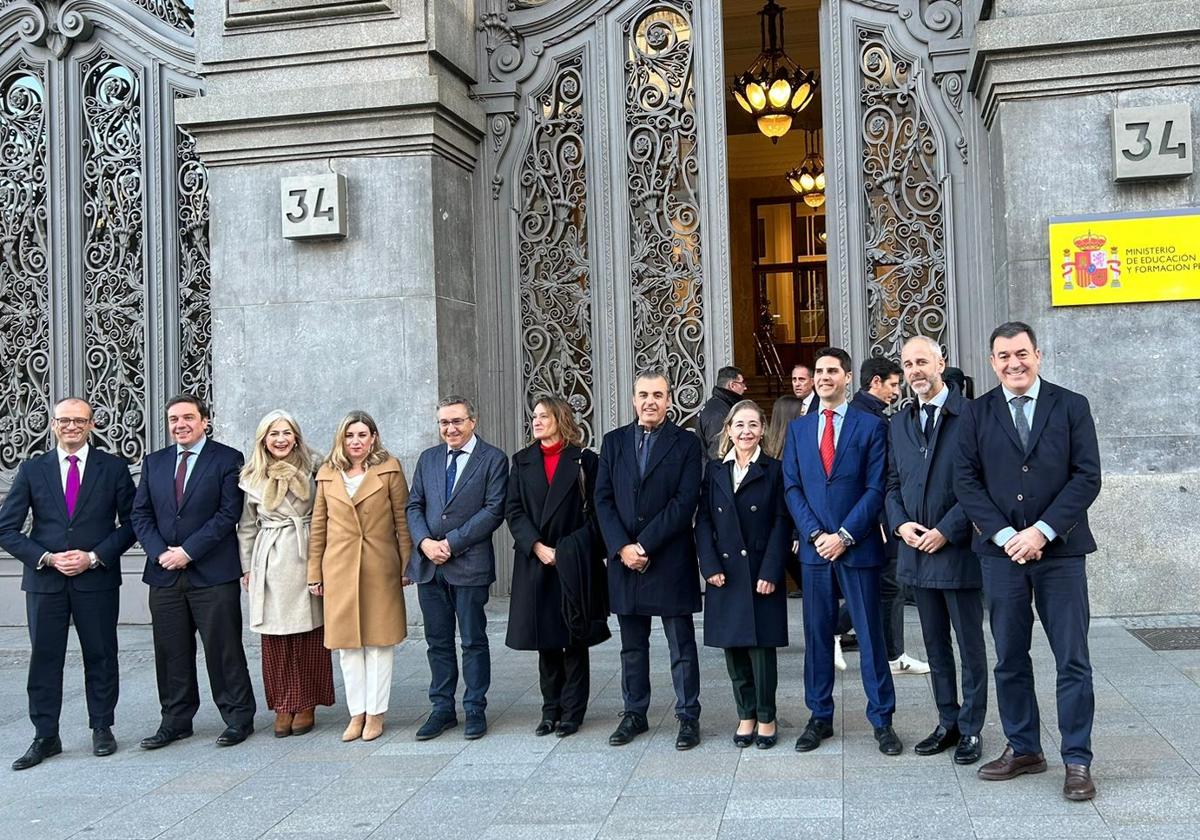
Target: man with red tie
834,466
80,498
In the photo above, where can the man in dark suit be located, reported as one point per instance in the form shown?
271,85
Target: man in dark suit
455,504
834,463
185,515
726,393
934,547
647,490
1028,470
80,498
802,388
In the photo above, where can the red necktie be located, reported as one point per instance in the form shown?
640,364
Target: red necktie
181,476
827,441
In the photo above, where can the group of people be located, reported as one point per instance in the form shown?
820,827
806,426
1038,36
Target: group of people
988,495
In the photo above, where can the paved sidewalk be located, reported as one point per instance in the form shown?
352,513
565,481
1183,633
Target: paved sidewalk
513,785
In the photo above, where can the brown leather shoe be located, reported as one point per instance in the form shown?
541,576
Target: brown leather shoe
1079,786
1010,765
304,721
283,724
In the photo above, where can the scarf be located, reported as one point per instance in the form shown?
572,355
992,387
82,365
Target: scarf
283,478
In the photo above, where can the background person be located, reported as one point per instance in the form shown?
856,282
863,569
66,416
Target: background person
728,390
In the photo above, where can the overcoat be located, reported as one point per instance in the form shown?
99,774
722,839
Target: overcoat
546,513
745,535
274,550
655,510
921,489
359,550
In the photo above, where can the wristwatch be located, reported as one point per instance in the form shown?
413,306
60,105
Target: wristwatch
845,537
95,560
812,537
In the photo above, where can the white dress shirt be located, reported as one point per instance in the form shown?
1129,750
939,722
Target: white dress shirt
64,465
739,472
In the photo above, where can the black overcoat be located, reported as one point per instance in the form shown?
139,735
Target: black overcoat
746,535
655,510
547,513
921,489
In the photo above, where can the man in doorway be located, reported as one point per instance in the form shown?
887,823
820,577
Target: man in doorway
802,388
834,466
81,499
1028,469
726,393
647,490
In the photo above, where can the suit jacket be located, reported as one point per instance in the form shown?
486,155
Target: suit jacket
467,519
204,523
655,510
920,488
1055,480
746,536
101,522
851,497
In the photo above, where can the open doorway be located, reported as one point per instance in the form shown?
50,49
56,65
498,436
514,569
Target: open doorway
778,272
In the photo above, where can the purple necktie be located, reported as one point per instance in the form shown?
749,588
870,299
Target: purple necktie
181,476
72,490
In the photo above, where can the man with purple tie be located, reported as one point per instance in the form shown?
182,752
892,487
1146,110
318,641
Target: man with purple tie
80,498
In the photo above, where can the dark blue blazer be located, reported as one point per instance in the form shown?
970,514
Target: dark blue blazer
851,497
204,524
101,522
1001,485
746,536
920,488
655,510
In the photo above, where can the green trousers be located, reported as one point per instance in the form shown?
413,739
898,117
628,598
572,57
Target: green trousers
755,675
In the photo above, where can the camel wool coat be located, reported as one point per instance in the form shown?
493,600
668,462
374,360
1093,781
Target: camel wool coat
359,549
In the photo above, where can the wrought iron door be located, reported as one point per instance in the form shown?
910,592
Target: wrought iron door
104,263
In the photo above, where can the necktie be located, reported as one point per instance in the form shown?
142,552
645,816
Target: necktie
930,410
452,471
72,492
803,407
827,441
1018,403
643,451
181,476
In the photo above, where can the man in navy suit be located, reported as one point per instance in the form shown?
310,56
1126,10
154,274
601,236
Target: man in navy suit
1028,470
185,515
934,548
647,490
802,388
834,463
455,504
80,498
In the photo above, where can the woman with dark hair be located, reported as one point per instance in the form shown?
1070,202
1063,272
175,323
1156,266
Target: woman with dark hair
559,602
786,409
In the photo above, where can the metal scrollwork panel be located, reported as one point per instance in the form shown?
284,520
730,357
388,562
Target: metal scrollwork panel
554,281
904,201
24,266
662,170
114,292
195,270
180,14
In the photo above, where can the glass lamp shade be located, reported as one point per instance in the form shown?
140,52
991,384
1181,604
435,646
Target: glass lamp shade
774,125
814,199
774,89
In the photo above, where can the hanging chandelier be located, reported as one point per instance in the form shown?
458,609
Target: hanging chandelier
774,89
808,179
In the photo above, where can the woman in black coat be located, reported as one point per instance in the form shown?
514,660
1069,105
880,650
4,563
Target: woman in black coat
743,535
559,603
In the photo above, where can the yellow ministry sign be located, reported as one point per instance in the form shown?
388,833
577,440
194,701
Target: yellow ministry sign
1125,257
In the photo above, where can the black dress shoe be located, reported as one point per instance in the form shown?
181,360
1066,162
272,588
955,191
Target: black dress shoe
742,741
234,735
689,734
436,724
970,749
545,728
814,733
889,741
632,725
566,728
765,742
41,748
475,726
849,642
163,737
103,742
939,740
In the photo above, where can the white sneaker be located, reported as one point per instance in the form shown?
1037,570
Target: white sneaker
839,661
905,664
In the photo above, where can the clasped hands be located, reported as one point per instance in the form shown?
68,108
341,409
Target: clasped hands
1025,546
763,587
634,557
916,535
544,553
438,551
174,558
829,546
70,563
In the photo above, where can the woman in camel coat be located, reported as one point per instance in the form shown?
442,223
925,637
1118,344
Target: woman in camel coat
357,555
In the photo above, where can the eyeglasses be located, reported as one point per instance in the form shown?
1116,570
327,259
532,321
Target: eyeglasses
456,422
73,421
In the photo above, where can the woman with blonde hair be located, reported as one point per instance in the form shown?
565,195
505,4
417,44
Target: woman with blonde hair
273,542
357,556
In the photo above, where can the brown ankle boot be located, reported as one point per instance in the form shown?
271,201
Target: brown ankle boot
374,727
303,721
283,724
355,730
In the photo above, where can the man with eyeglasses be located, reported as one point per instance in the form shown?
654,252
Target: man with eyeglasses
455,504
81,500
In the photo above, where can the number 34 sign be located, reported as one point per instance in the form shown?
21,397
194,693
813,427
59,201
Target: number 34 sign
313,206
1152,142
